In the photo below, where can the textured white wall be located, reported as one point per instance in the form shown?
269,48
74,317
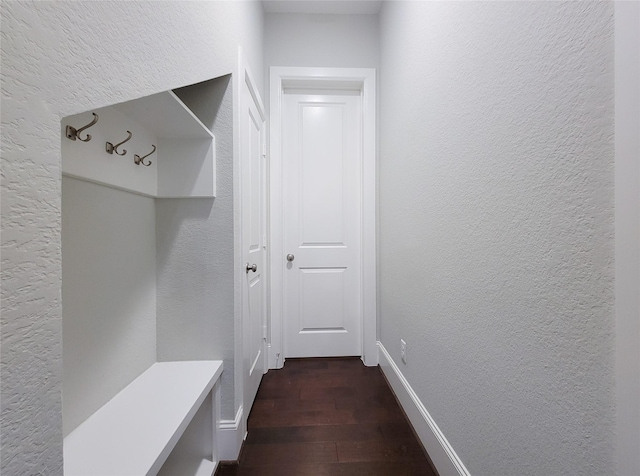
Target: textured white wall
108,294
496,227
195,241
61,58
339,41
627,120
343,41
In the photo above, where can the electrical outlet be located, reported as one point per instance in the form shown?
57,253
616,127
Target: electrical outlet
403,351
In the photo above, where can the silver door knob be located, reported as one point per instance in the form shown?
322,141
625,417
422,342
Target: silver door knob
290,257
252,267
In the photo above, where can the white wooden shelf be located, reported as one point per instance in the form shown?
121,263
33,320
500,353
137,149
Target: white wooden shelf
184,164
134,433
165,115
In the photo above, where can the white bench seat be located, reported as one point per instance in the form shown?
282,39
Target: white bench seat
134,433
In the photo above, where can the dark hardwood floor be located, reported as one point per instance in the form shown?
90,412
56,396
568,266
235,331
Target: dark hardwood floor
322,417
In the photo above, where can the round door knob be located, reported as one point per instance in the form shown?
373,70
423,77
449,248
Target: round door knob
290,257
252,267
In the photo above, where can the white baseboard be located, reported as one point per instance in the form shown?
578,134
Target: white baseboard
274,358
230,437
442,455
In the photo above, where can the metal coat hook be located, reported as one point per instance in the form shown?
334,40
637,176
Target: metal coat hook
140,160
73,133
114,148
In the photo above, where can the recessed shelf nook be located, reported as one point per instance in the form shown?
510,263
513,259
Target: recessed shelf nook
135,404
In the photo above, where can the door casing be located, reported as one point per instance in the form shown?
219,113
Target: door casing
364,80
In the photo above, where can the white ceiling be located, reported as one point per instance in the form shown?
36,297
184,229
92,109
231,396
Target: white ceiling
344,7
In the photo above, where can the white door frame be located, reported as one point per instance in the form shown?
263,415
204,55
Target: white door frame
363,79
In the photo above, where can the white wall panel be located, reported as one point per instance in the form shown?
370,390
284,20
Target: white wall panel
109,294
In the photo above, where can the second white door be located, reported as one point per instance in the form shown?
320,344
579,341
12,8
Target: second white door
253,241
322,190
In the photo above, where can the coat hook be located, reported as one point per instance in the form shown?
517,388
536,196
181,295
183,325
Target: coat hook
140,160
73,133
114,148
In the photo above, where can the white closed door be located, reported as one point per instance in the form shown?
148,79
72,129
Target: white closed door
322,180
252,185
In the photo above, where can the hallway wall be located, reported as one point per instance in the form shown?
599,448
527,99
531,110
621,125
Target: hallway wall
496,227
317,40
61,58
627,234
341,41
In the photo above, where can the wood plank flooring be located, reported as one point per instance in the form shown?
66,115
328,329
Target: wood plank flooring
326,417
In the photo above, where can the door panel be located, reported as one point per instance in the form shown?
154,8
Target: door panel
322,299
253,223
255,312
322,173
321,162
